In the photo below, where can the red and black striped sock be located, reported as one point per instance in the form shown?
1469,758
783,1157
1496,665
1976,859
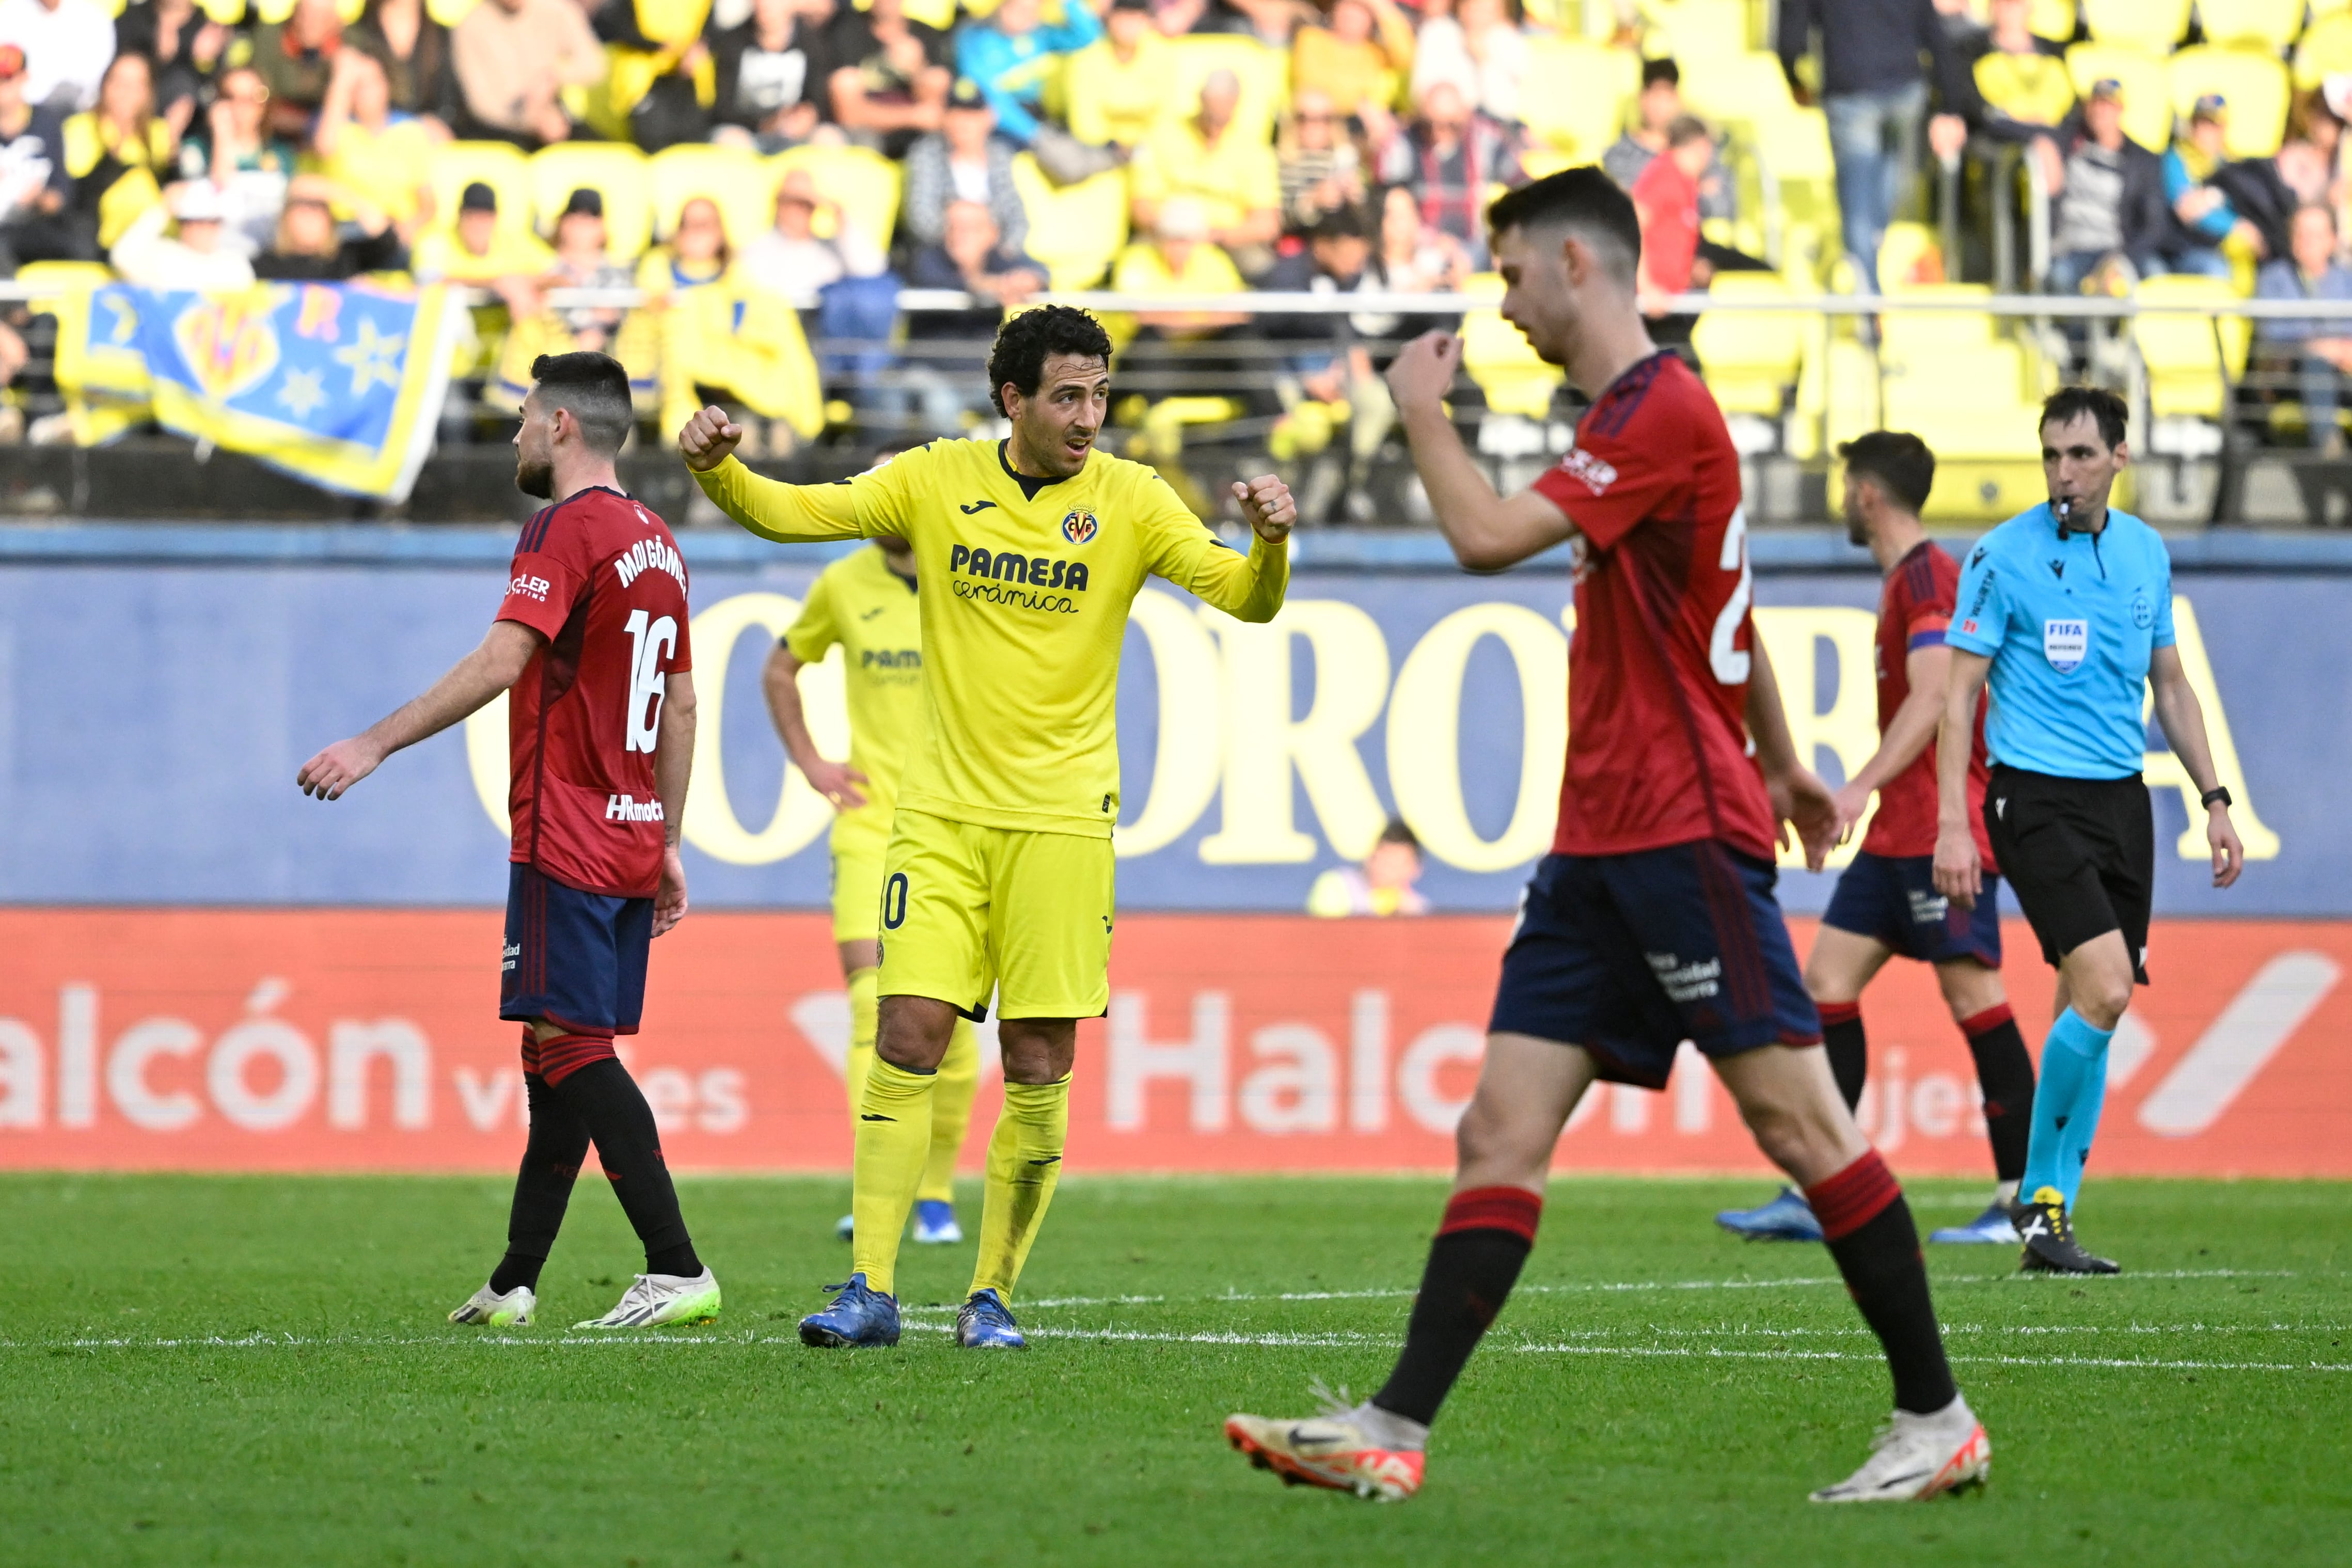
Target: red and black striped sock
1474,1261
551,1162
1869,1230
1849,1051
2005,1074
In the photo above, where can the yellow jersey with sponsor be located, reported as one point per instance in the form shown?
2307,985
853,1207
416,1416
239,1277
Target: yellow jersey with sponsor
872,612
1025,586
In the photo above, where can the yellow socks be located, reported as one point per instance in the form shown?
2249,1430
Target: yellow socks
951,1112
865,1009
894,1134
1024,1165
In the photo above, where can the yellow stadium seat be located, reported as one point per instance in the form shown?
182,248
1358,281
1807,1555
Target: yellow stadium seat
2153,24
1921,337
1589,88
2325,50
615,171
736,178
2255,86
228,12
64,276
864,182
2190,360
1075,230
1749,87
2262,23
1909,255
1752,358
1264,74
449,13
1840,379
501,166
1796,146
1700,29
276,11
1496,357
2147,87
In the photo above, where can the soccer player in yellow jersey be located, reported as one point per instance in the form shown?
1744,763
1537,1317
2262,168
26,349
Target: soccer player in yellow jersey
998,872
866,603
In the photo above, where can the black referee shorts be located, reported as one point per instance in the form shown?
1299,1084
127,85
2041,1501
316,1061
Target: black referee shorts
2081,854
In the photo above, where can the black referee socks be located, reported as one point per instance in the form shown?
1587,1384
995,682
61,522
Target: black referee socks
1475,1260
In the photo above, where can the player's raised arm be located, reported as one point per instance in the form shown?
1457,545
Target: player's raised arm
1487,531
768,508
491,668
1246,587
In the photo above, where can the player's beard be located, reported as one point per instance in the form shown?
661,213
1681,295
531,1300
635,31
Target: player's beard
1857,532
537,481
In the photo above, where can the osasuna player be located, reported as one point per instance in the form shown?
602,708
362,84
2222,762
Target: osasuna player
998,872
1886,903
1652,919
2066,611
866,603
590,646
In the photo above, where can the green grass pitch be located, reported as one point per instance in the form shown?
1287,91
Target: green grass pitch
258,1370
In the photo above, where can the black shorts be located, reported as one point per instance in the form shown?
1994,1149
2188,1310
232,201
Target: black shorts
2081,855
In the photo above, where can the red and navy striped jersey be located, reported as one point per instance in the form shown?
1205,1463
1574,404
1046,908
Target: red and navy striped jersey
1657,736
600,578
1913,609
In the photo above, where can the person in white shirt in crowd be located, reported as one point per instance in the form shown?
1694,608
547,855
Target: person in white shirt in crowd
199,257
67,45
792,261
1478,47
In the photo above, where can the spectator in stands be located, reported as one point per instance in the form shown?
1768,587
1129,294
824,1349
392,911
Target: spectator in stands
415,52
119,153
1359,58
964,161
1118,85
2203,219
1414,257
1381,886
972,255
245,161
583,259
1010,56
2111,208
774,74
201,257
1320,170
1448,157
1665,204
890,77
1180,258
1234,181
1273,23
33,187
2268,192
1480,49
376,156
513,58
724,341
295,58
182,44
480,250
656,90
311,246
1191,18
2317,354
1332,378
1659,106
1876,96
791,262
66,45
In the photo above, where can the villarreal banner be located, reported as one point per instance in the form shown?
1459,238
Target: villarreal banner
339,384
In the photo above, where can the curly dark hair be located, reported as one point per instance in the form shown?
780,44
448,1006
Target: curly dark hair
1026,340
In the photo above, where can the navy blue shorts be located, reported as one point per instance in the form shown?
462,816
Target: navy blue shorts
1629,955
1892,900
576,959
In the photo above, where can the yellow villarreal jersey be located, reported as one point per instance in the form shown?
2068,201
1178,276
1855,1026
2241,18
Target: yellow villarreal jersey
1024,588
859,604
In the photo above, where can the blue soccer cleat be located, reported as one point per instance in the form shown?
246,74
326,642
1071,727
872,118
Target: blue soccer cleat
985,1322
1990,1228
1788,1217
935,1223
857,1317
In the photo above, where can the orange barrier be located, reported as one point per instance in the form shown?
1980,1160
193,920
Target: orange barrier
342,1039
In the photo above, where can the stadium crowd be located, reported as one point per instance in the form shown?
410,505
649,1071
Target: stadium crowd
772,173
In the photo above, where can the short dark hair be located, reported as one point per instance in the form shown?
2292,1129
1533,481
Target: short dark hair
595,388
1663,70
1688,129
1898,460
1344,222
1584,199
1026,341
2069,404
1398,832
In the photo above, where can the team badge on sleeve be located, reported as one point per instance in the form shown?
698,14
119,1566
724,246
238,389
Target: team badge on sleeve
1080,527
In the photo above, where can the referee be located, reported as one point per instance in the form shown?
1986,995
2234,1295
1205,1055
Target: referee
2067,609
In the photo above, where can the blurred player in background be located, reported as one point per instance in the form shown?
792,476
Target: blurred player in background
868,604
999,869
1653,920
590,644
1886,903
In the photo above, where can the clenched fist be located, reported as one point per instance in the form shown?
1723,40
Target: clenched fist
708,439
1267,503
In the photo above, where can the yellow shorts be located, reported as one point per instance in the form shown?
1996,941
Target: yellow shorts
967,909
857,844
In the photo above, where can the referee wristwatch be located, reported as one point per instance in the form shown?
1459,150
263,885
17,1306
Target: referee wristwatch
2216,796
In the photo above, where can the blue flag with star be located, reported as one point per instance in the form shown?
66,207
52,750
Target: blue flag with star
339,384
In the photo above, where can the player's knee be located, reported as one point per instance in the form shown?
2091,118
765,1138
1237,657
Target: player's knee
913,1032
2103,1004
1491,1136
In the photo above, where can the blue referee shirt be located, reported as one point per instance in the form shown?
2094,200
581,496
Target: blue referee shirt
2069,622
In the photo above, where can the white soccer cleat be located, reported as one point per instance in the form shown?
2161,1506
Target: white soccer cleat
654,1300
483,1308
1918,1457
1328,1450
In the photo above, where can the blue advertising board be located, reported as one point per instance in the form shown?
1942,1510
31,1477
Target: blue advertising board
153,711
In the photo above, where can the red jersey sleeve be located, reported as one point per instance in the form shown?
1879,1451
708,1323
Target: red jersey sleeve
543,583
1631,461
1927,599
